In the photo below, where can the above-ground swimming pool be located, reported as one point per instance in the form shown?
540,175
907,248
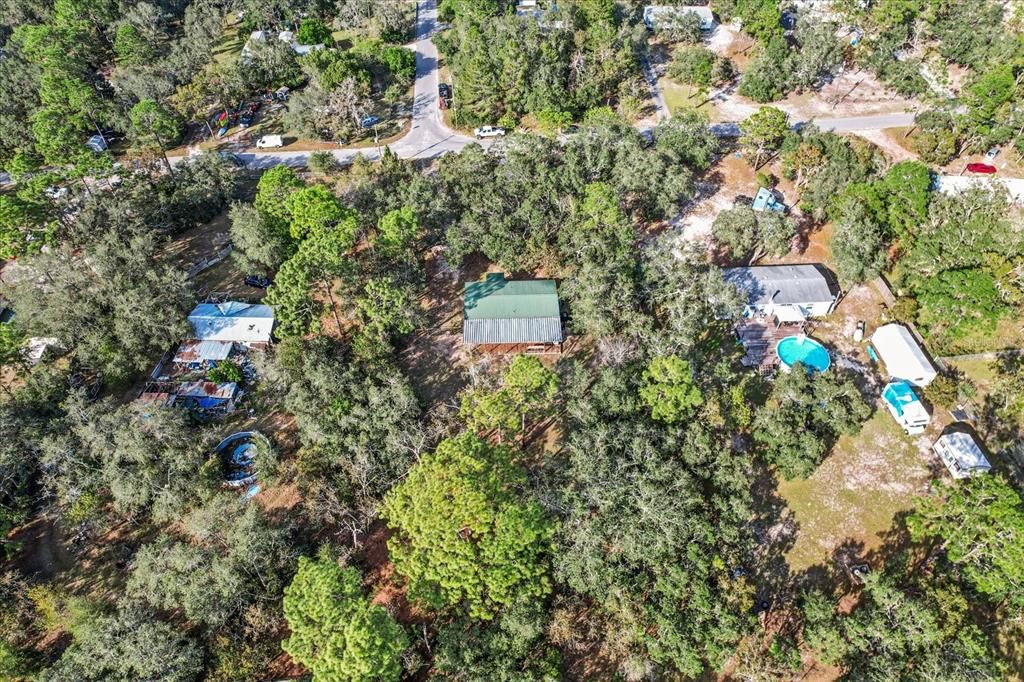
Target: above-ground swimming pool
807,351
238,457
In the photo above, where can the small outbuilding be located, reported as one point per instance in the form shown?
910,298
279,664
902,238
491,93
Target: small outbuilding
205,395
905,407
512,316
961,454
659,17
245,323
903,357
202,353
767,200
791,293
97,143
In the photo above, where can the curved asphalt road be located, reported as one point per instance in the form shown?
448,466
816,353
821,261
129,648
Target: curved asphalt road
429,137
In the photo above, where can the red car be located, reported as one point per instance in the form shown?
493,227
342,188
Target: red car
981,168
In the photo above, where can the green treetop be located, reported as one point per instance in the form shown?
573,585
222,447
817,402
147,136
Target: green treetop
464,534
669,389
335,631
980,523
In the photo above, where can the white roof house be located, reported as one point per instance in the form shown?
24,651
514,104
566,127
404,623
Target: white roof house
903,357
287,37
232,321
792,293
961,454
664,16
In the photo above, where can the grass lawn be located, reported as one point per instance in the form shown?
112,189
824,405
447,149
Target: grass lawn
857,492
230,44
1006,335
681,97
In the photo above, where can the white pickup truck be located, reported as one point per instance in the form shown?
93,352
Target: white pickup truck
489,131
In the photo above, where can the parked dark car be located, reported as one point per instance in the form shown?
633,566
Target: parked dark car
258,282
981,168
444,91
232,158
246,119
369,121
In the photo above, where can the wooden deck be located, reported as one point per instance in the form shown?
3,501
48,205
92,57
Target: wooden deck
759,337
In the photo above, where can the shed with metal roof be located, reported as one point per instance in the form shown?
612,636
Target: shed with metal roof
903,356
507,315
232,321
961,454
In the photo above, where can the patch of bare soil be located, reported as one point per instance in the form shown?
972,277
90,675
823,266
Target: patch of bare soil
284,668
434,358
45,551
199,242
379,577
728,180
279,499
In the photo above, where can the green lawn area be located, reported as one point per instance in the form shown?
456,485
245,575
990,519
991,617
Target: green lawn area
229,47
682,97
858,490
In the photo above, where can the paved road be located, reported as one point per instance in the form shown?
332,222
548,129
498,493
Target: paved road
855,123
428,137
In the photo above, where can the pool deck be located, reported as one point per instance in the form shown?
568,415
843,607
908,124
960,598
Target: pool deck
759,337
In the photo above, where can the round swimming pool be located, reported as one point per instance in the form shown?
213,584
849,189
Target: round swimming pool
808,352
238,457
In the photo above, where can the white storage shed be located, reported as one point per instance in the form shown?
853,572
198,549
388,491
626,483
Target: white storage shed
961,454
903,356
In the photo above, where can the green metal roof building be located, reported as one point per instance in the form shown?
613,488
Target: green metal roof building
497,311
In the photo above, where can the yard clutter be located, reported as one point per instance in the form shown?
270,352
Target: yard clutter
903,357
205,374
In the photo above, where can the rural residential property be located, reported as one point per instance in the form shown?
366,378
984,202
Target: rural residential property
512,341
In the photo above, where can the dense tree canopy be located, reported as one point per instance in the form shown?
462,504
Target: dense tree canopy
805,414
335,631
464,536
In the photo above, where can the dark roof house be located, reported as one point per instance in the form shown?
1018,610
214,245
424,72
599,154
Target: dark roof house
791,292
499,312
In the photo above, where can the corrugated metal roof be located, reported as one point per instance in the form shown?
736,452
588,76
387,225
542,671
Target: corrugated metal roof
232,321
207,389
195,350
498,298
781,284
903,357
531,330
499,311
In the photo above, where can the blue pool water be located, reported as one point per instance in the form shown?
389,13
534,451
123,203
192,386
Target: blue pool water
810,353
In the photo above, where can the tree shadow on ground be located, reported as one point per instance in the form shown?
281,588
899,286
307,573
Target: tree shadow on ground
774,529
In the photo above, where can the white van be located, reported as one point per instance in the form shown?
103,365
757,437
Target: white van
268,141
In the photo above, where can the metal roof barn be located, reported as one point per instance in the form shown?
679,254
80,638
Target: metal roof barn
499,311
